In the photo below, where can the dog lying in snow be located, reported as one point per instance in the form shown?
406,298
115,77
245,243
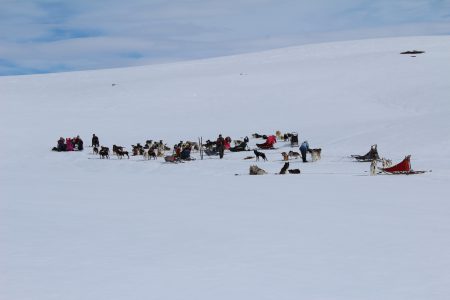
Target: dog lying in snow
255,170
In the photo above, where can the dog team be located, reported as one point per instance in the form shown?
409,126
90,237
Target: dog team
182,150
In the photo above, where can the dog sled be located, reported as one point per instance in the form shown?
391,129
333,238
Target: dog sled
239,148
211,151
369,156
175,160
294,139
402,168
171,159
271,140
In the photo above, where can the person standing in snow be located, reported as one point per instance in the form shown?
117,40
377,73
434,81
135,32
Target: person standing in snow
95,141
303,149
220,145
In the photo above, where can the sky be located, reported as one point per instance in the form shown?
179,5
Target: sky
44,36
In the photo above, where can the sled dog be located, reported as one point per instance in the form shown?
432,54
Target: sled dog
149,154
315,154
121,153
284,168
254,170
104,152
259,154
294,154
386,162
373,168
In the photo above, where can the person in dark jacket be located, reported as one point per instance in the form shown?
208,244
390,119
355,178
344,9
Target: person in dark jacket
220,145
61,145
95,141
186,154
79,143
304,149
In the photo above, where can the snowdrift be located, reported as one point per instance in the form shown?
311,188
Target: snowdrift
73,226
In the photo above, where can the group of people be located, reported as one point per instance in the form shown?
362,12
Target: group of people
182,151
69,144
222,144
74,144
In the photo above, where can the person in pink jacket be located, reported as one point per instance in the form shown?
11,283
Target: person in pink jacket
227,143
69,145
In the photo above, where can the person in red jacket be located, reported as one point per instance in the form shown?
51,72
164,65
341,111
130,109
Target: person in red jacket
69,145
227,143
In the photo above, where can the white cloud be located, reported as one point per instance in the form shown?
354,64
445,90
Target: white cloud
60,35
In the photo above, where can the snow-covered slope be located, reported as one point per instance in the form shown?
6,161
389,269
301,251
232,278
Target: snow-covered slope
76,227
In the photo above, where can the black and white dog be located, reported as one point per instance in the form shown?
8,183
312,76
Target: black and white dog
259,154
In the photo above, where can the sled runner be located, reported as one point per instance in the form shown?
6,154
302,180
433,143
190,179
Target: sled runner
402,168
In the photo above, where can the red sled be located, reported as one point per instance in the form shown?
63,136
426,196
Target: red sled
271,140
404,167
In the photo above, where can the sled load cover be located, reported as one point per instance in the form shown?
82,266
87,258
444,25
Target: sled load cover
271,140
404,167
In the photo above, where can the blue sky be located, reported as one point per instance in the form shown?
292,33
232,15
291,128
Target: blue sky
41,36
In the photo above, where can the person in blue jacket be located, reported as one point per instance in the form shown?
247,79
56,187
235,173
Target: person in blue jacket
303,149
